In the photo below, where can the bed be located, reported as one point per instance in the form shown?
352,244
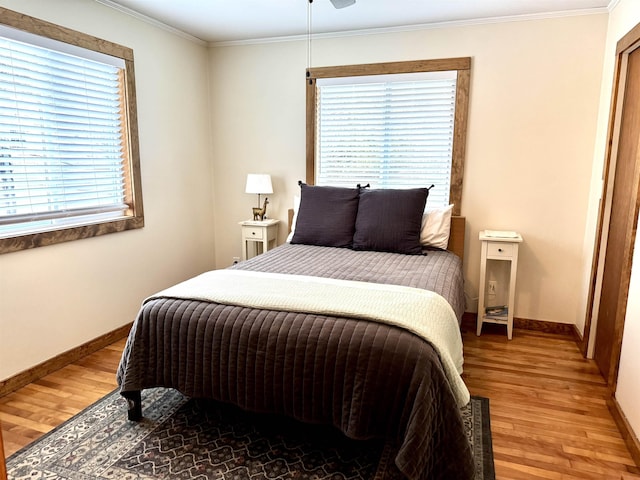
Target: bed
317,333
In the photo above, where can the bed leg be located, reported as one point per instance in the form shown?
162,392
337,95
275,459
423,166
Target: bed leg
134,405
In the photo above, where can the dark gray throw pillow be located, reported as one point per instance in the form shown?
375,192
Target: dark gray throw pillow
326,216
389,220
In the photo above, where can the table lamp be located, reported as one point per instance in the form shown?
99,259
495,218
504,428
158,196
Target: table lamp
259,183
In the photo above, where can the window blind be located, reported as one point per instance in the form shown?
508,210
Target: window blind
62,150
392,131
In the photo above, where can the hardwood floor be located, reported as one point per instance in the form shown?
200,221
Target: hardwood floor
37,408
549,417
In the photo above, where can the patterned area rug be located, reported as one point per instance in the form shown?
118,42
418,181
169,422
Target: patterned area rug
182,438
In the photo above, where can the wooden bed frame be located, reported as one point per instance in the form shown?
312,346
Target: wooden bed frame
456,237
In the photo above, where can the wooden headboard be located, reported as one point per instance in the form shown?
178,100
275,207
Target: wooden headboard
456,236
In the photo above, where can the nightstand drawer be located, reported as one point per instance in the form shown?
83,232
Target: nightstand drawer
500,249
253,232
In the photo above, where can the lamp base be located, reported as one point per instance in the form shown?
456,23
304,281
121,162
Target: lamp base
260,213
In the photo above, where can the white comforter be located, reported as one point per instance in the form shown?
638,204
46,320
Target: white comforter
422,312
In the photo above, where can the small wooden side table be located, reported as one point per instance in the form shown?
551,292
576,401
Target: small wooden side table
498,284
258,237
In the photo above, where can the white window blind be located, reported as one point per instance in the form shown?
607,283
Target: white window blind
391,131
62,154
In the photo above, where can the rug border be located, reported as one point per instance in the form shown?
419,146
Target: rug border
63,424
488,466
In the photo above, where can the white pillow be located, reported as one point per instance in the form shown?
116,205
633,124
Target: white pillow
296,207
436,226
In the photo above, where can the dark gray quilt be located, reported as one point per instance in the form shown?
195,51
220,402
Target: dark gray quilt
368,379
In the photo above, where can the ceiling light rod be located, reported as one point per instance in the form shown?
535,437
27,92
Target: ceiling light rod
309,40
336,4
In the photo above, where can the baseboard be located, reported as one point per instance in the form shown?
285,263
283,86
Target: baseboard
469,322
578,335
544,326
633,444
56,363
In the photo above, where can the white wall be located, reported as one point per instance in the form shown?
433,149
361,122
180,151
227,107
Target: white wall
535,91
628,389
623,18
57,297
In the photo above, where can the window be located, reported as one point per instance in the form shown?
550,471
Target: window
398,125
69,165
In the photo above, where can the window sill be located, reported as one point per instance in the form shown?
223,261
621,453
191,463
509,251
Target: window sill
51,237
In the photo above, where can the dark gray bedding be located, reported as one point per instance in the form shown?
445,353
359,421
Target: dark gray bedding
438,271
368,379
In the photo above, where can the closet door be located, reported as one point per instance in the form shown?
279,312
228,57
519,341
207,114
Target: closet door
624,165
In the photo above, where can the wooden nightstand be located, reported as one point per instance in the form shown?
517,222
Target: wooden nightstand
258,237
498,267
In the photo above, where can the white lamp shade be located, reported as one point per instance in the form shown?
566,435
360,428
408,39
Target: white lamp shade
258,183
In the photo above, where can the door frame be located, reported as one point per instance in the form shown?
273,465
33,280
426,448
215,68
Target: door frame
627,44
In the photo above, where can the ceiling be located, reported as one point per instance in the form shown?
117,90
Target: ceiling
215,21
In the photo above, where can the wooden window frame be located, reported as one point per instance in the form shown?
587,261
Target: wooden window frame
461,65
134,216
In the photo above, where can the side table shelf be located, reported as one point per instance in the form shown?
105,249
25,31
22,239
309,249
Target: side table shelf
498,268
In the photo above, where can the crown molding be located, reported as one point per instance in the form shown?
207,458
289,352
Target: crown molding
613,4
152,21
361,32
412,28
